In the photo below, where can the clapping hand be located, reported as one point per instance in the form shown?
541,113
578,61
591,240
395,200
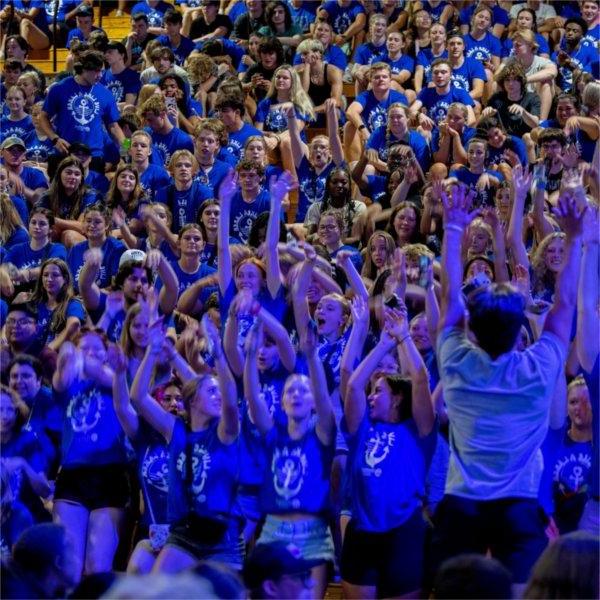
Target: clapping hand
570,213
457,211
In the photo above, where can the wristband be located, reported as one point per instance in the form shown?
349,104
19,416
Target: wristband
54,140
361,127
454,227
404,338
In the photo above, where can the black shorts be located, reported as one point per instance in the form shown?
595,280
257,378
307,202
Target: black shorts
391,561
103,486
512,529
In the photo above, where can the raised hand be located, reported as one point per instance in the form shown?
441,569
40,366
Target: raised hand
359,309
228,187
66,355
242,303
254,339
570,157
156,336
93,257
212,336
490,216
591,226
570,214
116,358
342,258
309,253
118,216
282,185
457,211
396,282
521,181
153,258
521,280
512,158
309,339
396,321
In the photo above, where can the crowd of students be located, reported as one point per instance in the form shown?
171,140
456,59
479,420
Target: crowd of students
321,274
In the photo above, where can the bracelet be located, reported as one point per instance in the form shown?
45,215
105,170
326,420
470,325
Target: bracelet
361,127
404,339
454,227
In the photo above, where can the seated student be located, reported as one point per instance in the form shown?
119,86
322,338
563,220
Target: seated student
28,256
120,80
332,54
96,227
347,18
184,111
449,139
32,87
30,21
329,234
517,109
257,79
163,62
208,23
424,58
152,176
371,52
17,123
280,25
166,138
526,19
402,65
137,40
574,54
39,145
31,182
431,105
211,171
247,17
180,45
155,10
369,109
12,231
467,73
185,194
480,43
11,71
475,176
552,143
84,19
591,16
95,181
231,110
500,144
499,18
314,162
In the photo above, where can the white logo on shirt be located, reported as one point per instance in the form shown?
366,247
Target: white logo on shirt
289,469
155,469
84,411
242,224
200,467
84,107
378,448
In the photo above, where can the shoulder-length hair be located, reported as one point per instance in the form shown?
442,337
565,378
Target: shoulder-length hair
114,197
543,278
10,221
298,96
56,191
271,6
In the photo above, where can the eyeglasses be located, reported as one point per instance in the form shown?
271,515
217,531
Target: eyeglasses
20,322
329,227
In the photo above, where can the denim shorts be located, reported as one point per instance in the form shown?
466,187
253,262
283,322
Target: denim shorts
229,551
312,536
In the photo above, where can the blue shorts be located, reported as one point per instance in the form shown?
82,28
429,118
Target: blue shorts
312,536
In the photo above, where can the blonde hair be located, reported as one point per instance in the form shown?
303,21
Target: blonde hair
369,270
310,45
542,278
414,251
179,154
10,221
527,36
300,99
148,90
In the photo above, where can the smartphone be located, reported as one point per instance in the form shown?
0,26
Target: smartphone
539,175
170,102
424,264
393,301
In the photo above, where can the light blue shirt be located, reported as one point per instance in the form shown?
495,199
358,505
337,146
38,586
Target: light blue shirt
498,412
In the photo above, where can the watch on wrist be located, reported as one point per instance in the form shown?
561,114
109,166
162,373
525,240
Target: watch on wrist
361,127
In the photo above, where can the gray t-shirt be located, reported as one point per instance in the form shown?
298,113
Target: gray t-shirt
498,412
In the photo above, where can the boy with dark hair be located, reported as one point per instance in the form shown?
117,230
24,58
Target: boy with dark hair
231,110
120,80
573,54
137,40
181,46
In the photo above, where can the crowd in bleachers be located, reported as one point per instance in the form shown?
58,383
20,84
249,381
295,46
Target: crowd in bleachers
300,291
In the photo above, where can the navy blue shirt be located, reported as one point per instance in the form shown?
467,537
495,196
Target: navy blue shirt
341,17
121,84
311,186
437,104
237,140
154,178
243,214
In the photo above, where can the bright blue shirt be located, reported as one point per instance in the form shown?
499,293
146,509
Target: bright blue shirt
77,34
111,253
437,104
374,113
495,155
272,116
482,49
44,317
64,8
243,214
382,142
185,48
155,15
462,77
38,150
543,48
592,37
387,464
341,17
484,197
311,186
237,140
404,63
184,204
499,15
154,178
424,59
333,56
213,178
582,57
121,84
367,54
23,257
80,112
186,279
23,128
164,145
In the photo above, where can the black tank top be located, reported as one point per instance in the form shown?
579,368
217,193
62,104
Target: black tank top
320,93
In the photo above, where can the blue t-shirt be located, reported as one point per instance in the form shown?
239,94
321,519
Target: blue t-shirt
38,150
18,236
483,49
341,17
462,77
21,207
92,434
97,181
187,279
404,63
155,14
374,113
154,178
437,104
311,186
237,140
185,48
208,486
23,257
44,319
499,15
387,464
164,145
23,128
184,204
583,57
40,20
270,113
298,473
243,214
33,178
367,54
230,49
80,112
465,136
111,253
592,37
77,34
495,155
382,142
121,84
333,56
213,178
543,48
64,8
484,197
424,58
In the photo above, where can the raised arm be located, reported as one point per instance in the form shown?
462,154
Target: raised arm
490,216
227,189
68,365
356,342
570,213
279,188
354,279
325,427
412,362
89,290
127,416
229,423
167,298
280,336
232,350
300,288
146,406
587,294
519,186
456,219
299,148
333,132
257,406
542,226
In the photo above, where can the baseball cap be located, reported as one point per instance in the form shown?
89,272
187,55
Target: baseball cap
12,141
133,255
80,148
272,561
